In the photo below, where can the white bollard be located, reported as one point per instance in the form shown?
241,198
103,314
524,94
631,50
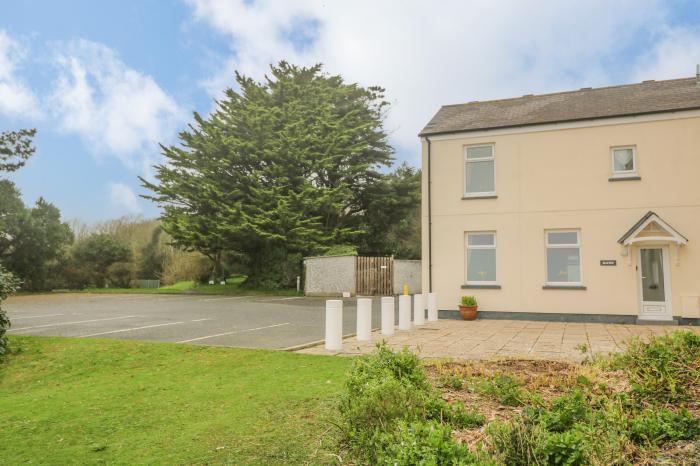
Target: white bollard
419,309
405,312
334,325
388,315
432,307
364,319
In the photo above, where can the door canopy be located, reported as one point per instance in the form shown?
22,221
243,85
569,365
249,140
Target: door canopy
652,229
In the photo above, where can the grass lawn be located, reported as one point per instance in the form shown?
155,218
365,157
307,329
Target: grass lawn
88,401
233,286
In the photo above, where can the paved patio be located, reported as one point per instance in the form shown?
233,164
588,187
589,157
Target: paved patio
484,339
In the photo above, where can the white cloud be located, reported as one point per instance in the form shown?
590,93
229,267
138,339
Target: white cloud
123,197
113,108
674,55
427,54
16,98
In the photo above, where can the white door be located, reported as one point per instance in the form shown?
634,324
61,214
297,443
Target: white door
654,283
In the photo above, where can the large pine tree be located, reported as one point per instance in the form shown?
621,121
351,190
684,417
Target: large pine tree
278,170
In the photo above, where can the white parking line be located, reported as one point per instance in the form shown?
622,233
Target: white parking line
129,329
232,333
285,299
199,320
228,297
69,323
35,317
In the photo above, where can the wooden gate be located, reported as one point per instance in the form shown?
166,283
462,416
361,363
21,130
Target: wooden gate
373,276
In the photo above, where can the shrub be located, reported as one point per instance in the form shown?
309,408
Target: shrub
120,274
8,285
665,369
519,442
424,443
658,426
565,411
468,301
452,381
388,395
566,449
506,389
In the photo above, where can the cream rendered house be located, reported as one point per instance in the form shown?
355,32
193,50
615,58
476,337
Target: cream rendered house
581,205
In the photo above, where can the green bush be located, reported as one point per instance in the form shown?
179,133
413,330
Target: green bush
665,369
658,426
468,301
565,411
566,449
506,389
8,285
519,442
423,443
384,393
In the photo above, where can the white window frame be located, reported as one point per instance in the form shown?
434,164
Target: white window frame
623,173
547,246
467,247
484,159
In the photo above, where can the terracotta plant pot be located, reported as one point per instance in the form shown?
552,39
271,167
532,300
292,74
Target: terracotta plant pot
468,312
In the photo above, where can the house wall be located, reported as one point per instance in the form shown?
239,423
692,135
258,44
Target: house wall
407,272
556,176
329,275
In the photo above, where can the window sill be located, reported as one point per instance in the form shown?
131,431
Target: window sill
479,196
481,287
625,178
564,287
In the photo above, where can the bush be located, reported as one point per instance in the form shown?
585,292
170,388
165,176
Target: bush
120,274
566,449
565,411
8,285
468,301
388,395
658,426
425,443
506,389
665,369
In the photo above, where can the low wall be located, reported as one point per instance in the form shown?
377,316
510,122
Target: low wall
329,275
407,272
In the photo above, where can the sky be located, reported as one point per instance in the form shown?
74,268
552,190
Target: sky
106,82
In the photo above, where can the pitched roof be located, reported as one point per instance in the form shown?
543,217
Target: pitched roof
584,104
643,221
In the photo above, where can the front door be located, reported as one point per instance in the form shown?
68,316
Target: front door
654,283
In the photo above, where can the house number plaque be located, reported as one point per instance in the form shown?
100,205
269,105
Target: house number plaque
608,263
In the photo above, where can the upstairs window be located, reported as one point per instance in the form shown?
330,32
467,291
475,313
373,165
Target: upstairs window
479,168
563,257
624,161
481,258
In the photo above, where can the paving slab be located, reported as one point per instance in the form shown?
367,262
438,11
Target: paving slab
487,339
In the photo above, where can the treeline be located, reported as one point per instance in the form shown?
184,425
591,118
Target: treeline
48,254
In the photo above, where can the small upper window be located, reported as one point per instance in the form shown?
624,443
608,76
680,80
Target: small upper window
479,178
624,161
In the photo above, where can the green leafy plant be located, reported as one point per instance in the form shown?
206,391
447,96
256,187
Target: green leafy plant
385,393
565,411
663,369
452,381
8,285
468,301
566,449
424,443
658,426
506,389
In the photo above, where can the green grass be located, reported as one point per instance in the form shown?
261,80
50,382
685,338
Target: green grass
70,401
233,286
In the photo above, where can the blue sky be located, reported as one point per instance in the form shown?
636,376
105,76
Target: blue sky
105,82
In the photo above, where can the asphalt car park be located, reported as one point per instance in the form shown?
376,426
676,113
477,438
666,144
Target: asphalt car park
237,321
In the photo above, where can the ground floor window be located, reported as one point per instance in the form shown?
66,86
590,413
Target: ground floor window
563,257
481,257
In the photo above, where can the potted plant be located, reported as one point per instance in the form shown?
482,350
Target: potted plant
468,307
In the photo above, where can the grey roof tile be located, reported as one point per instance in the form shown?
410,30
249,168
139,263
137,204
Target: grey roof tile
584,104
